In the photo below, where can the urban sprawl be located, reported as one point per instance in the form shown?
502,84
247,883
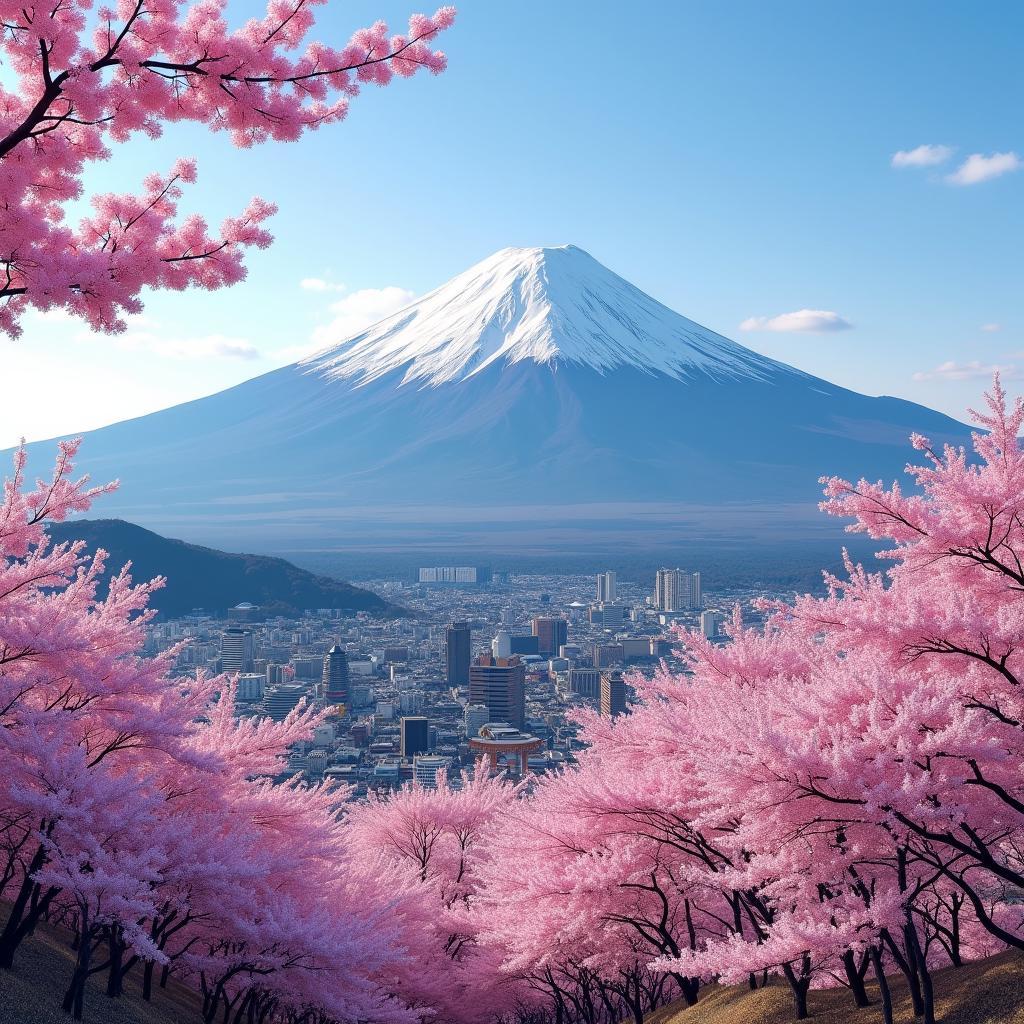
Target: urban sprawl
473,664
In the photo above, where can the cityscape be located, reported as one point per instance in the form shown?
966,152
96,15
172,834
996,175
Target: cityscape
473,651
513,514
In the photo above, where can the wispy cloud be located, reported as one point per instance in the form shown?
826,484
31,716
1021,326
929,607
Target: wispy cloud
991,328
320,284
361,309
811,321
974,370
209,346
978,168
922,156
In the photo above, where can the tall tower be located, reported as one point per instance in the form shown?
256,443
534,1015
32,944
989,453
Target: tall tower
457,643
336,676
501,645
500,684
613,694
415,735
676,590
237,650
606,586
551,633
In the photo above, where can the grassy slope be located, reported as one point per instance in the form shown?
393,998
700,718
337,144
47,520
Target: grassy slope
987,992
32,992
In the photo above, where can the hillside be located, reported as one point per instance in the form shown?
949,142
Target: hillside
32,992
987,992
199,577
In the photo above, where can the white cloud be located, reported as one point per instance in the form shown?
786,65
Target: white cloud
978,167
922,156
817,321
974,370
320,284
209,346
361,309
991,328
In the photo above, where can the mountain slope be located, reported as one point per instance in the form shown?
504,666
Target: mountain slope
199,577
537,394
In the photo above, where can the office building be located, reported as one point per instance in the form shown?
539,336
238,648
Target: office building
551,633
425,768
608,654
475,718
280,701
585,682
676,590
607,615
237,650
457,647
606,588
415,735
336,676
500,684
251,686
501,645
525,645
711,623
613,694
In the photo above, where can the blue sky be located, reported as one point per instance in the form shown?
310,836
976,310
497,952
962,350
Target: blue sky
734,160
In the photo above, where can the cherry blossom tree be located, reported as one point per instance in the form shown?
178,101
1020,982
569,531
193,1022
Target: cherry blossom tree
439,839
87,81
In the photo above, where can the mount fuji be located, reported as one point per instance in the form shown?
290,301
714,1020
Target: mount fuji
537,393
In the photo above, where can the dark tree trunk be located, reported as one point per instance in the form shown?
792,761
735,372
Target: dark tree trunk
883,985
855,977
689,988
909,969
147,980
799,984
115,978
74,998
927,995
28,907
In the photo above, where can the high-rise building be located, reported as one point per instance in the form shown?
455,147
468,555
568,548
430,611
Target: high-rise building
501,645
551,633
280,700
457,647
251,686
500,684
607,615
711,623
605,587
476,717
415,735
608,654
525,645
237,650
425,768
613,694
676,590
586,682
336,676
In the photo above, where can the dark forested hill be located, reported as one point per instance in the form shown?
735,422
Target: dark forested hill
199,577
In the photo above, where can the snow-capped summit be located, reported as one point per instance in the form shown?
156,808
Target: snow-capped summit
549,305
536,400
